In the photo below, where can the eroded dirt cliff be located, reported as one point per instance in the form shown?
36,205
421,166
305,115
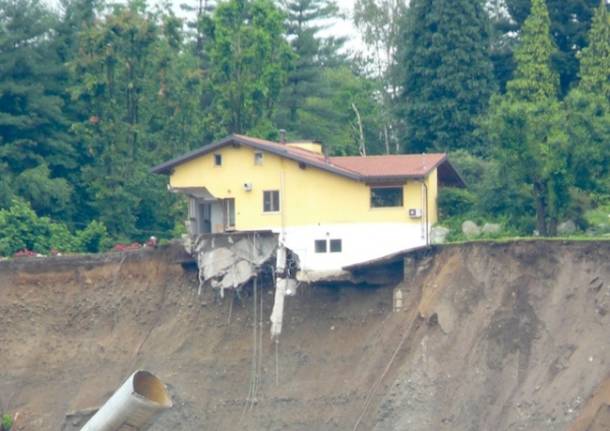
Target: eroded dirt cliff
492,337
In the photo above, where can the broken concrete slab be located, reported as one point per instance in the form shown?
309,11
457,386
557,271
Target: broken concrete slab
228,261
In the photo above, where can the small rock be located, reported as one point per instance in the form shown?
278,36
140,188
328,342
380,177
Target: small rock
566,228
470,229
438,234
492,228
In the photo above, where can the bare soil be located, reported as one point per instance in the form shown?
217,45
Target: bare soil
493,337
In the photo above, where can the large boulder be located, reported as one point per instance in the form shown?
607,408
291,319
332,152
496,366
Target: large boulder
566,228
492,228
438,235
470,229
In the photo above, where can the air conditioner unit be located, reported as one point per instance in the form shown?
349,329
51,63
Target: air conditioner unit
414,212
248,187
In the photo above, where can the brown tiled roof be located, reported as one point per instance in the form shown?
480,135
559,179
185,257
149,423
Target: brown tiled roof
399,165
370,169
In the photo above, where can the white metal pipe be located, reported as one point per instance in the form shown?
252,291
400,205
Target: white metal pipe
134,406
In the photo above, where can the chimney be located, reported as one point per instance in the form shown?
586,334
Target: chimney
325,152
283,136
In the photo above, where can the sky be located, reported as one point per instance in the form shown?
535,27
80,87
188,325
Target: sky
345,27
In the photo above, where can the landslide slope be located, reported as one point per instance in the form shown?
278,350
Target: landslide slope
492,337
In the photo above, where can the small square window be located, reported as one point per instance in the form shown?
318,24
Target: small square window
258,158
336,246
217,159
271,201
320,245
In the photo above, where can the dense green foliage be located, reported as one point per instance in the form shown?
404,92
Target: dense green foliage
595,58
36,152
94,94
570,23
249,59
22,229
526,125
303,19
448,74
557,149
588,111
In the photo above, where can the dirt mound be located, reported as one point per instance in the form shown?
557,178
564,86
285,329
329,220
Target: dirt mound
493,337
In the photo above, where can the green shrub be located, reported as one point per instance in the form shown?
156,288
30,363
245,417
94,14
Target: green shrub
21,228
7,422
94,238
62,239
454,201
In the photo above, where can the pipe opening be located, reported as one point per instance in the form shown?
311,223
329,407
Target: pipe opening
150,387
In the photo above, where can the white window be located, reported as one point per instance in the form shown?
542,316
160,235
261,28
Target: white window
217,159
271,201
258,158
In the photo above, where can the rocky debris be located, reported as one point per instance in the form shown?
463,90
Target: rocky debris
568,227
470,229
438,234
229,261
491,228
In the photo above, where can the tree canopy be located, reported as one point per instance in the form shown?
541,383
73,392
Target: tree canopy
93,93
448,74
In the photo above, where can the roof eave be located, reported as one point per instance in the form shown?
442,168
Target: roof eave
456,179
167,166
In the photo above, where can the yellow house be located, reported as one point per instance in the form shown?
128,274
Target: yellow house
331,211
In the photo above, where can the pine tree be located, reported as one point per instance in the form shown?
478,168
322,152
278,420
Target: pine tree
303,18
534,79
330,116
448,73
595,58
570,23
588,109
527,125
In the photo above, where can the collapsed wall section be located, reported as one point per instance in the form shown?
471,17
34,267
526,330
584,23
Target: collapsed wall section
229,261
232,260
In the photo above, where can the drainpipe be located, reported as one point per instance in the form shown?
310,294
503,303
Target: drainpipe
426,219
135,405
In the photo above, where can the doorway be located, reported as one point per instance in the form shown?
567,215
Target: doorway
229,214
205,218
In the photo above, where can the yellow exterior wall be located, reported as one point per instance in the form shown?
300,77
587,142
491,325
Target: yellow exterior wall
307,196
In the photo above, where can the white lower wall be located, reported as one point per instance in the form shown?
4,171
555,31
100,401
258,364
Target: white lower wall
360,243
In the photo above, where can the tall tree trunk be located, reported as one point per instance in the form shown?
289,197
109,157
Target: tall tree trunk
539,196
361,143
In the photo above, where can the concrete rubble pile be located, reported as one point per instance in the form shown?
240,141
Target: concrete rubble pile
230,261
